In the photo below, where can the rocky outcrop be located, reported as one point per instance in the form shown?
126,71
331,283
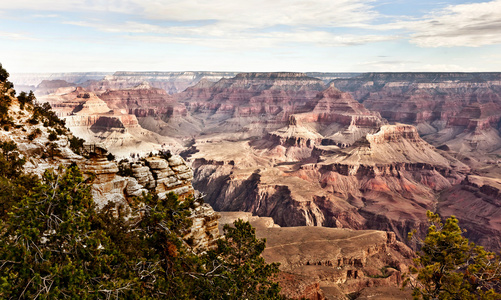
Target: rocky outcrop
90,118
295,135
385,181
456,109
30,81
340,118
152,174
47,87
46,146
142,100
171,82
476,202
156,110
250,103
316,261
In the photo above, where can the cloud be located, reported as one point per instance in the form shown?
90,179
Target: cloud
221,36
469,25
262,13
16,36
255,13
411,66
45,16
261,21
264,23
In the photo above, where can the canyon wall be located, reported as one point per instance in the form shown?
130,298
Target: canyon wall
461,110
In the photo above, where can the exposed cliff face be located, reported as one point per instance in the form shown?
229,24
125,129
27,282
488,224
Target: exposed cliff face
340,118
47,87
31,81
156,110
91,118
476,202
461,110
327,263
387,180
172,175
254,103
171,82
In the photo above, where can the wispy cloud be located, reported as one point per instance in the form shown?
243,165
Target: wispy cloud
468,25
326,34
45,16
16,36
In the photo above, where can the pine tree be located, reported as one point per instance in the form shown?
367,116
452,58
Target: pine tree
448,266
47,246
236,269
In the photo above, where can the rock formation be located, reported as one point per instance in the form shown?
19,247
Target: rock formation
172,82
47,87
155,110
476,202
287,146
90,118
157,174
330,263
31,81
461,110
250,104
386,180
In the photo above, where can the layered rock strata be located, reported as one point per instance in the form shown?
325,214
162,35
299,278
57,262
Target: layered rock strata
476,202
250,103
386,181
43,152
171,82
90,118
330,263
461,110
156,110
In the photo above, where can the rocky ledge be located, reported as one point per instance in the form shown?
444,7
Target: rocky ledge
329,263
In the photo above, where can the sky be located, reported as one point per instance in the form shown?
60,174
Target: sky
250,35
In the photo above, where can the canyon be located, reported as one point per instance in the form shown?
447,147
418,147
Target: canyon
380,263
349,157
360,151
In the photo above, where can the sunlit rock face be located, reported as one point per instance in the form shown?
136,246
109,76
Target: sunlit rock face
155,109
250,104
90,117
461,110
171,82
328,263
384,180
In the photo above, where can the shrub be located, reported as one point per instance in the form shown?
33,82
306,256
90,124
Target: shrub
448,266
52,135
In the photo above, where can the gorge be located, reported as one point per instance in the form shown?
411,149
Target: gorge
355,154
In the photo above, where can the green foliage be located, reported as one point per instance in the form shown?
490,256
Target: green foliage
110,157
11,162
45,114
24,99
6,92
4,75
236,269
13,182
124,168
52,150
48,248
52,135
450,267
34,134
77,145
165,154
